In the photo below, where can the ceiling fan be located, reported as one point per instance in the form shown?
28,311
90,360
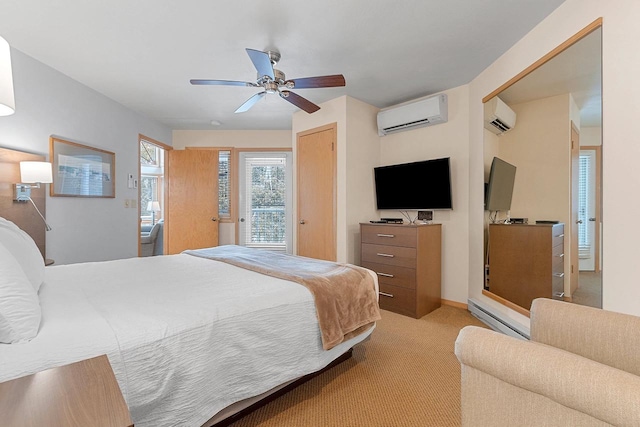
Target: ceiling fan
274,81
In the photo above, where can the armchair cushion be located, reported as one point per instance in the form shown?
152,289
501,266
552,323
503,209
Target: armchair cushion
562,378
580,369
604,336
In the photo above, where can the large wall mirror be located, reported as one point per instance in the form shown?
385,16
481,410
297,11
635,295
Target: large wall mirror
542,155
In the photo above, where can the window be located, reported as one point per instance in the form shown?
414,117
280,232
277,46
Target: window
584,194
224,184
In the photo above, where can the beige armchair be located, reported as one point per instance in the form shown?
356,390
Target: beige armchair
581,368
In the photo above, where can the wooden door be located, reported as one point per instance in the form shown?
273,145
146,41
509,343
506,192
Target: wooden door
316,192
192,200
575,170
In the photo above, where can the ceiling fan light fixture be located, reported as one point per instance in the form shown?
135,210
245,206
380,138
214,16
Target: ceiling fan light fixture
275,81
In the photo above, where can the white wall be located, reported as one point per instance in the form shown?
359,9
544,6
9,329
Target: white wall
591,136
444,140
621,66
50,103
232,138
363,154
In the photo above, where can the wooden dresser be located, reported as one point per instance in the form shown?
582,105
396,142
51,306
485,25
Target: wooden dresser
526,261
407,260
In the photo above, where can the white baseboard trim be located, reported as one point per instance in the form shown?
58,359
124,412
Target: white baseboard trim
495,320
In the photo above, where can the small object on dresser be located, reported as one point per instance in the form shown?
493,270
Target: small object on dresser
393,220
519,220
382,221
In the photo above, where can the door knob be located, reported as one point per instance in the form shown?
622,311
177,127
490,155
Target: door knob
214,219
579,221
241,219
302,221
592,219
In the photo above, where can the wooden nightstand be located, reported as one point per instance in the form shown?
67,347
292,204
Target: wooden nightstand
85,393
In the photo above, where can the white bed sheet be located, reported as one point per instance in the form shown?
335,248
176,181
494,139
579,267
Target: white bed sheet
182,342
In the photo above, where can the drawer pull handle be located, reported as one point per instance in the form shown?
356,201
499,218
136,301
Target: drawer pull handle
384,294
559,235
385,274
558,294
560,256
387,255
386,235
558,274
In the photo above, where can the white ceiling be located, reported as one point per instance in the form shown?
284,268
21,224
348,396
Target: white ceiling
576,70
142,53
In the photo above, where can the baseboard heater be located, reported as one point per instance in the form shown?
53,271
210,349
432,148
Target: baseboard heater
496,321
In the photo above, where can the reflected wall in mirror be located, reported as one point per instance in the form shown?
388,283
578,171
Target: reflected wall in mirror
547,123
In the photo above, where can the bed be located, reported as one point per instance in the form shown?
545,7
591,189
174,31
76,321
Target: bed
186,336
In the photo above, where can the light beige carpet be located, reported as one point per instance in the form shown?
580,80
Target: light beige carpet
589,290
405,375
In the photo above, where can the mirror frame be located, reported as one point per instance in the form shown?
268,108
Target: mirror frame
540,62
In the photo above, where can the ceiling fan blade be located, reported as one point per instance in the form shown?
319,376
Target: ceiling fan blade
262,62
334,80
298,101
221,82
250,102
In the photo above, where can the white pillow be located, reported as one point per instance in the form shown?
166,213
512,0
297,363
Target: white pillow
24,250
20,312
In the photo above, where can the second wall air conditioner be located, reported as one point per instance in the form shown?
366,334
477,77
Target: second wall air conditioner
412,115
498,117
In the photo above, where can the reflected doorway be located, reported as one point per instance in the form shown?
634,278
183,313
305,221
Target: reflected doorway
151,199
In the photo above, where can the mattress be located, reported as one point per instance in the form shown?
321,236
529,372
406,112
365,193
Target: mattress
186,336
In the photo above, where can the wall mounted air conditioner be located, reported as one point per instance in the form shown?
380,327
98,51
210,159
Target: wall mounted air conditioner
498,117
412,115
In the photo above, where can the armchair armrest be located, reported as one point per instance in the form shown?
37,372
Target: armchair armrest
546,375
604,336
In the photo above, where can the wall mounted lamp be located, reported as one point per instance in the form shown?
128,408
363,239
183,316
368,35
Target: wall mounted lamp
32,174
7,100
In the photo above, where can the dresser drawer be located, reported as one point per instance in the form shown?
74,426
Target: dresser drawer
397,299
557,252
393,275
389,235
557,235
557,288
390,255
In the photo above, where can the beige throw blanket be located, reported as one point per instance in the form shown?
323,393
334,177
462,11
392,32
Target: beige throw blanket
345,295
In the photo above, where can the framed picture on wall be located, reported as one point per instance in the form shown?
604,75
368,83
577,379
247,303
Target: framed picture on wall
80,170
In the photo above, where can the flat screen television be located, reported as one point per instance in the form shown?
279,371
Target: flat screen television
418,185
500,187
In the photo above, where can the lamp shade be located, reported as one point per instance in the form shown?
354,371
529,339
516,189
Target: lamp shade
153,206
7,100
36,172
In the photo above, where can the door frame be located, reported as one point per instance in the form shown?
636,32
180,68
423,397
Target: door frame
165,147
334,127
598,208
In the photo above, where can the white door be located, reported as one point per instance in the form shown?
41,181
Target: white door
265,216
587,209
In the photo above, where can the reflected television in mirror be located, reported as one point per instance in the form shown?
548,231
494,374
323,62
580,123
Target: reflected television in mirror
500,187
